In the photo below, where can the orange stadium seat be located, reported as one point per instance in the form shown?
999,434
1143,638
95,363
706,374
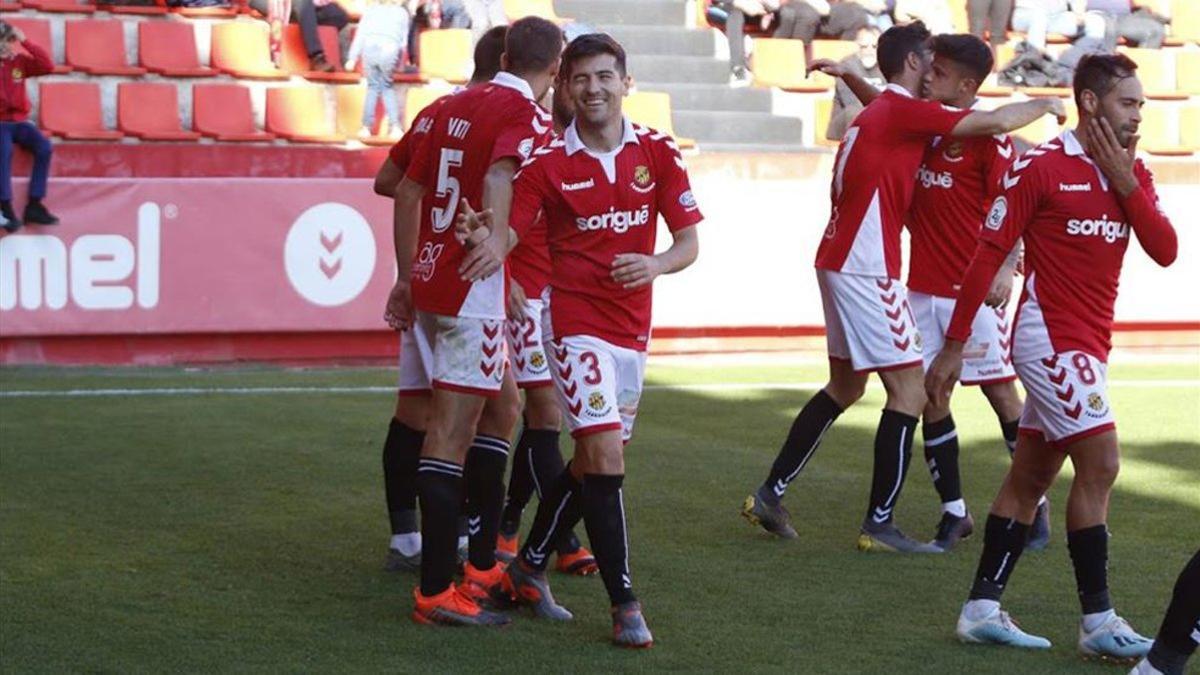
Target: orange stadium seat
416,98
1156,71
653,109
515,9
822,113
150,111
1187,71
294,57
38,31
446,54
1160,131
59,6
224,112
240,48
168,48
97,47
780,63
72,110
1189,128
299,114
1185,20
350,102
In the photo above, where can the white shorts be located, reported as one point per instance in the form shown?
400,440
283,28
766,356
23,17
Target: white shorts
987,356
599,384
452,353
1066,398
525,350
868,321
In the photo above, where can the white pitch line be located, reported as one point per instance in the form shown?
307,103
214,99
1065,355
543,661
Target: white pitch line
700,387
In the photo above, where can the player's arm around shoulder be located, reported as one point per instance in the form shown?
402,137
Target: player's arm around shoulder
1009,117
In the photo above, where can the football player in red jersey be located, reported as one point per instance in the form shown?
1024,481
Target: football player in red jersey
450,303
869,324
1075,201
406,430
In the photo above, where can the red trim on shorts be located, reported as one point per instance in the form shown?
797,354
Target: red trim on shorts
460,389
596,428
535,384
413,392
898,366
983,383
1026,431
1062,443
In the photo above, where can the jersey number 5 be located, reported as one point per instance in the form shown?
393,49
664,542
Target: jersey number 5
447,188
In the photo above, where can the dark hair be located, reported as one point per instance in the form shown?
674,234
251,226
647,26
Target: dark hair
532,44
897,43
6,32
592,44
487,53
1099,73
967,51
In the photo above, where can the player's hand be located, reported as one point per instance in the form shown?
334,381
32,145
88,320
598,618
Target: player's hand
516,302
1055,106
399,311
1106,151
485,253
943,374
1001,291
633,270
827,66
469,222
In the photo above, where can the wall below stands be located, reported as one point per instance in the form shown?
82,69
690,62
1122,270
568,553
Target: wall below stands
201,263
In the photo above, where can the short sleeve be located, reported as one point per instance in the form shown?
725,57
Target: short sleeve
525,129
1014,207
422,160
997,159
676,202
915,117
528,194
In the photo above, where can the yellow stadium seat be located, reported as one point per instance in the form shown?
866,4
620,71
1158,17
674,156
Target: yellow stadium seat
822,113
834,50
446,54
416,98
1185,20
1189,128
1156,70
780,63
653,109
515,9
1187,71
349,116
1160,131
958,13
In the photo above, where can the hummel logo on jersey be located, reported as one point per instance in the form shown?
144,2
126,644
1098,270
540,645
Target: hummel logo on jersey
1110,230
581,185
617,221
930,179
1074,187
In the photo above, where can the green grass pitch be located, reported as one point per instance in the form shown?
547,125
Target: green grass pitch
219,532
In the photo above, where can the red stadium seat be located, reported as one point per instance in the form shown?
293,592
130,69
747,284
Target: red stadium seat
140,10
150,111
59,6
38,31
72,110
224,112
299,114
169,49
294,57
97,47
10,6
240,48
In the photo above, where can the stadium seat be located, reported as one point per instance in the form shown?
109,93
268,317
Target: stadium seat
293,56
1159,131
150,111
416,98
1189,128
299,114
780,63
1185,20
1187,71
38,30
10,6
653,109
72,110
515,9
97,47
446,55
169,49
1156,71
240,48
139,10
349,116
822,113
59,6
224,112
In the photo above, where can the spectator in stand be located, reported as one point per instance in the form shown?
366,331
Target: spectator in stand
309,14
380,39
1068,18
15,127
485,14
809,19
879,12
989,17
734,14
935,14
865,64
432,15
1139,25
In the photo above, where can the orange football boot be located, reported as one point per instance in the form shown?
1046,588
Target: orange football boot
452,607
506,547
579,562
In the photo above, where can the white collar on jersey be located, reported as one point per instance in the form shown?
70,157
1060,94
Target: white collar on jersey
575,144
513,82
897,89
1071,144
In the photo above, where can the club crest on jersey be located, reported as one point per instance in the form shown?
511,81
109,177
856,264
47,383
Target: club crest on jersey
641,179
597,404
1097,408
17,74
954,153
996,216
537,360
525,147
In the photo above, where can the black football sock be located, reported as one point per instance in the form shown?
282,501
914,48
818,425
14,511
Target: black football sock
559,510
520,486
1010,431
547,465
604,517
893,452
1089,555
941,456
484,474
1180,631
810,426
439,485
1003,542
401,452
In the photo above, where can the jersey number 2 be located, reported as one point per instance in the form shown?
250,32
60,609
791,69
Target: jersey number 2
447,188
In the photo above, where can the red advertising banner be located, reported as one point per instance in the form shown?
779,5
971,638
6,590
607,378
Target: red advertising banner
148,256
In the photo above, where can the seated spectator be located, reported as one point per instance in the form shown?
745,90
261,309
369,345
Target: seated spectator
809,19
988,19
865,64
380,39
309,14
432,14
484,14
1140,26
15,127
732,16
879,12
1068,18
935,14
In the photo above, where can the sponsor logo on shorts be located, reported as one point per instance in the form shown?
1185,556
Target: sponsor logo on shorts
996,216
1109,230
537,360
